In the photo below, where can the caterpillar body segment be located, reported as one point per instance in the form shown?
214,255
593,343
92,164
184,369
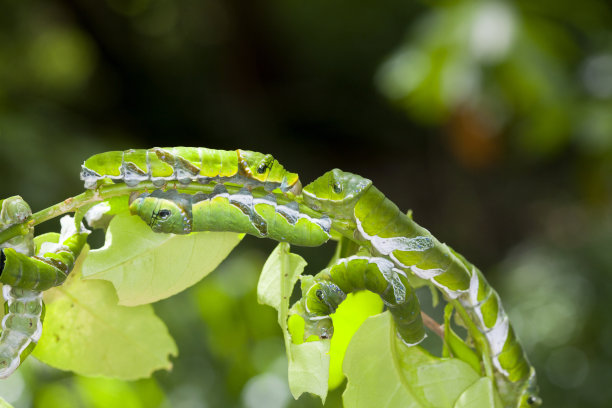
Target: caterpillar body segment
389,233
178,213
48,269
324,293
21,326
187,165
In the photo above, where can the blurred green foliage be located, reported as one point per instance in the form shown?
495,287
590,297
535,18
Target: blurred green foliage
491,119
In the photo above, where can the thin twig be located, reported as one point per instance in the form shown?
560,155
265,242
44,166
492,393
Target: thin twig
433,325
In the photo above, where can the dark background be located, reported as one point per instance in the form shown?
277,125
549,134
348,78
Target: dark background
492,121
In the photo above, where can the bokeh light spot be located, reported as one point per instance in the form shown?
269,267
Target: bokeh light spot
567,367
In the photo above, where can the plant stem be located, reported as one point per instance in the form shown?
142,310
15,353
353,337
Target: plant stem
432,325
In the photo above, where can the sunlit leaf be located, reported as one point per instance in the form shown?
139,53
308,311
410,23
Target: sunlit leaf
85,331
145,266
383,372
308,362
4,404
349,316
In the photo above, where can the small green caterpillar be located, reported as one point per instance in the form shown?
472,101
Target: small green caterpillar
187,165
21,326
24,277
377,224
322,294
24,309
50,268
178,213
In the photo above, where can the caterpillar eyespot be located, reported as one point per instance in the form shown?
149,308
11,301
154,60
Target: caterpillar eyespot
266,163
319,294
163,214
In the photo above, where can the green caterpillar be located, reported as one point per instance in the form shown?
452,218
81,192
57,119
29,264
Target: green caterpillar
322,294
362,213
21,326
50,268
24,309
24,277
186,165
178,213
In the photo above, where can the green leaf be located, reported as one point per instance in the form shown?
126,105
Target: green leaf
308,362
454,345
383,372
4,404
349,316
85,331
145,266
481,394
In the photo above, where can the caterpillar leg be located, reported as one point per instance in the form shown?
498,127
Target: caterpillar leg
323,293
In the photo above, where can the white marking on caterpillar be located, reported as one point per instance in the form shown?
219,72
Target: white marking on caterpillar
386,246
19,329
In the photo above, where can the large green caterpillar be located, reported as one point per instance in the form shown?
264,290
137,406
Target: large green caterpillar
188,165
24,277
365,215
322,294
179,213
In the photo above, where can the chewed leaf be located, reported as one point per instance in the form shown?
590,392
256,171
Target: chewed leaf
308,362
145,266
383,372
86,332
348,318
100,214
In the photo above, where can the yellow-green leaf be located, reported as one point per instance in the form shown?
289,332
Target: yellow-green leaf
145,266
308,362
383,372
85,331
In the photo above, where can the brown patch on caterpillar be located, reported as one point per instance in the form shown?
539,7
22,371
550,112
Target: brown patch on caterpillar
243,166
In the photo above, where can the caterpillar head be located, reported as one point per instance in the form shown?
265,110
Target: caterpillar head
529,396
14,210
164,211
319,300
336,193
323,298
